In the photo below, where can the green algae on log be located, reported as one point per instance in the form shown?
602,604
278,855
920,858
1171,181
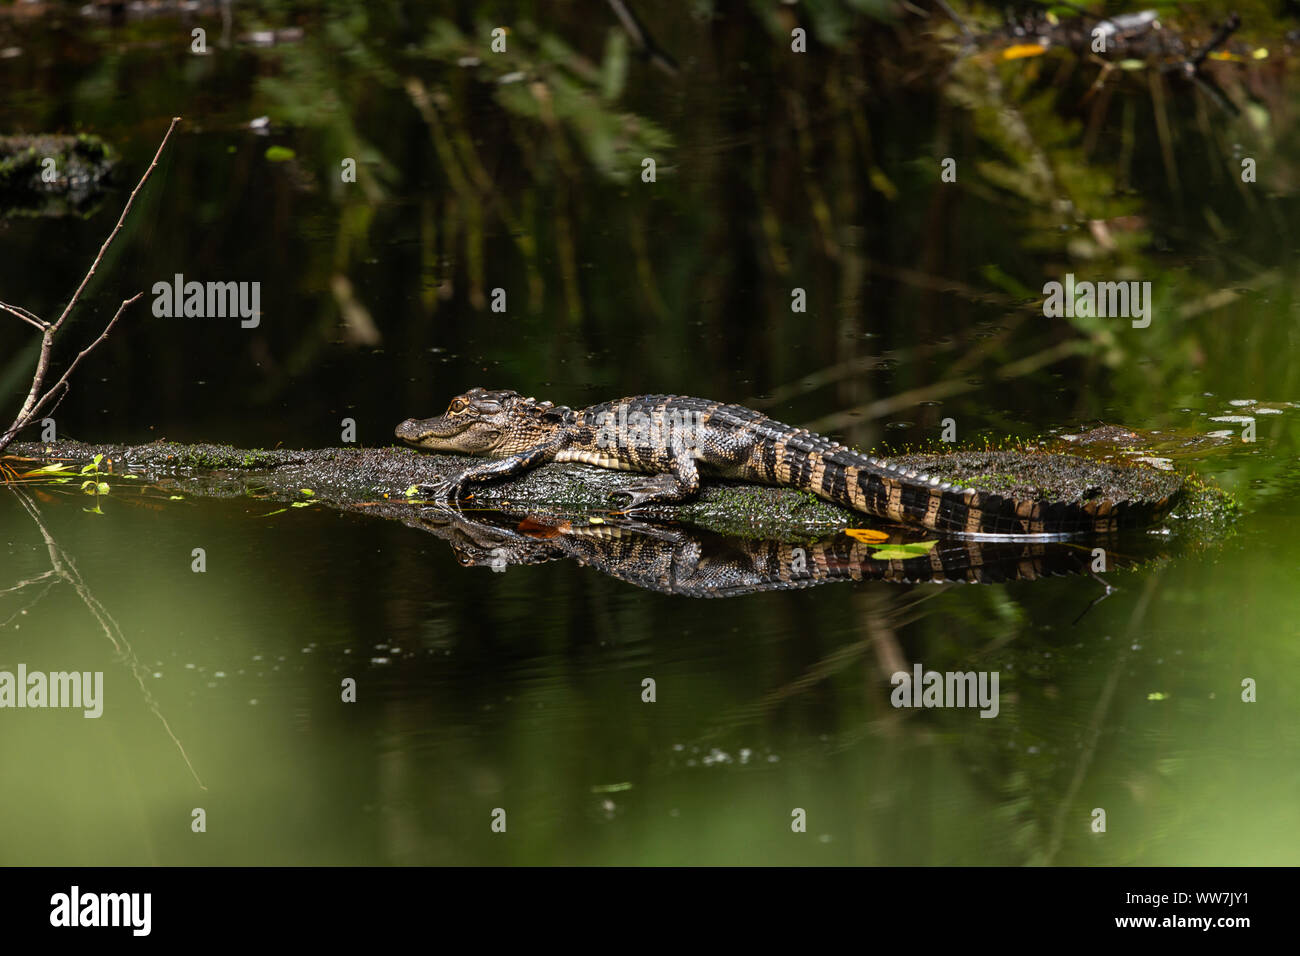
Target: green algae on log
1034,474
355,478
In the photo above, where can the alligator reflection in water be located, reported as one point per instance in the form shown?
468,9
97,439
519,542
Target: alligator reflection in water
692,563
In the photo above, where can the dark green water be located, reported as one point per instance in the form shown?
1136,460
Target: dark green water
523,690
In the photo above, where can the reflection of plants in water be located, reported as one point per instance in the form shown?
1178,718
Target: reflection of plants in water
561,94
1105,172
557,106
320,85
519,174
521,170
1037,161
537,153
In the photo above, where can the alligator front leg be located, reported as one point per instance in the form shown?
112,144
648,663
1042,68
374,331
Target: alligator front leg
679,484
453,488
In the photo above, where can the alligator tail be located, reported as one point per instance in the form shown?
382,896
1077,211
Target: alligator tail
877,487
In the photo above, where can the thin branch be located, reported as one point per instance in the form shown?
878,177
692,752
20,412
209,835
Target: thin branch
26,316
121,220
63,379
36,400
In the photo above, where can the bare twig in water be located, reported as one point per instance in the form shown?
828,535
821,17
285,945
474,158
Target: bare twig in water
1109,590
49,579
38,396
947,388
1095,725
866,363
1222,297
63,568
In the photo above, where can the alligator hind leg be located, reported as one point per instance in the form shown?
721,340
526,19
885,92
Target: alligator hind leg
680,484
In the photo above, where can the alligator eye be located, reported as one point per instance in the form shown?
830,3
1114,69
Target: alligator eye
457,405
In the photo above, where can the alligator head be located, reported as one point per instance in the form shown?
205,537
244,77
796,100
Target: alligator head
489,422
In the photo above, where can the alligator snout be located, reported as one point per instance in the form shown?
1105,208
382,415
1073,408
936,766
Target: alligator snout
408,430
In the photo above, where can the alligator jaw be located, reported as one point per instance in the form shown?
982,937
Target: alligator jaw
434,434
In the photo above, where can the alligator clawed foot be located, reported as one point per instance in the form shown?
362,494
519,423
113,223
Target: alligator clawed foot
633,513
650,491
628,502
633,503
449,490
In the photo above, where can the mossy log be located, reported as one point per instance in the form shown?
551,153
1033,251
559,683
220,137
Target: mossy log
379,481
52,175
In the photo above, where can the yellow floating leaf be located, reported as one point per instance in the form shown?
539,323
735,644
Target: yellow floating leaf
1022,50
866,535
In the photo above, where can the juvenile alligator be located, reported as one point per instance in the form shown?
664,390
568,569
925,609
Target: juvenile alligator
676,438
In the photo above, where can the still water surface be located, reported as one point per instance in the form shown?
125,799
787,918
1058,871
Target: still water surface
523,690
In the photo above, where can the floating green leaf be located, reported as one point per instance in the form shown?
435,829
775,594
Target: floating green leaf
901,552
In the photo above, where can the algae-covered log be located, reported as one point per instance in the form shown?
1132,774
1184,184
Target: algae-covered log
52,175
378,480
